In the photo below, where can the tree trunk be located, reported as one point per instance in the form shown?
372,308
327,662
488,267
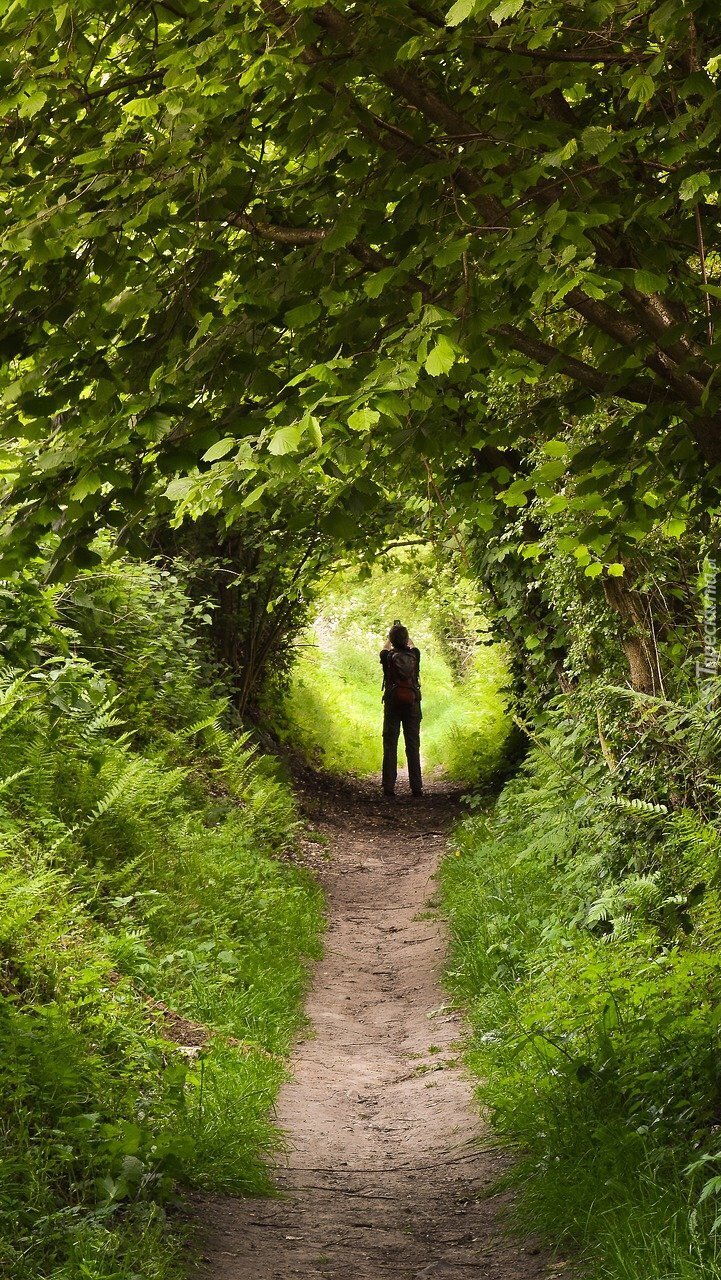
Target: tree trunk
637,638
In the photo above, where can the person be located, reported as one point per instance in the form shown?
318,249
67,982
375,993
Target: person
401,662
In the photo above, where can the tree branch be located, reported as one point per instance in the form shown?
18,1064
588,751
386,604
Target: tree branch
276,234
299,236
89,95
651,310
436,109
623,330
564,55
639,390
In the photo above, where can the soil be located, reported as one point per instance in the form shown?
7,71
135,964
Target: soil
389,1171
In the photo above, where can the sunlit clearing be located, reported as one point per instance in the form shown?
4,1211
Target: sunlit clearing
335,708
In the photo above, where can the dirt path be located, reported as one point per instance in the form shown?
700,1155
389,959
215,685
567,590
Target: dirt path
385,1175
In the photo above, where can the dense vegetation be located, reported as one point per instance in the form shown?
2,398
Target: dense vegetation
142,902
586,949
289,284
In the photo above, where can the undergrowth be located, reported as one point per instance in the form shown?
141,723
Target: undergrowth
334,710
141,867
585,914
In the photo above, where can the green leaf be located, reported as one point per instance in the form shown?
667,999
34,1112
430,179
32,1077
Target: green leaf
616,570
596,138
32,104
413,48
593,570
642,89
13,391
649,282
309,426
458,12
219,449
254,497
664,19
141,108
451,252
300,317
363,419
691,186
375,285
710,1188
286,440
441,357
87,484
550,470
179,488
507,9
555,158
344,231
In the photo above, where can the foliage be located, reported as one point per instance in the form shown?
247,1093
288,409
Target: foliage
139,870
285,284
418,214
334,709
585,914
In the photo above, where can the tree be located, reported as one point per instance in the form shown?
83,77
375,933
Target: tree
201,199
253,252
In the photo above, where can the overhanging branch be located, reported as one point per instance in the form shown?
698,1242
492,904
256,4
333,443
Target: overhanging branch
640,390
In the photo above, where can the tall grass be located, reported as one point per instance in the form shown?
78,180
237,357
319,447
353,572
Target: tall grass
593,999
140,867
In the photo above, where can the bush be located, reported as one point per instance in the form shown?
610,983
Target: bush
141,869
584,922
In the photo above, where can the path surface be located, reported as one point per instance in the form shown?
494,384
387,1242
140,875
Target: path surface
385,1174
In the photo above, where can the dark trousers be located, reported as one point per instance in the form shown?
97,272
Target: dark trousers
410,719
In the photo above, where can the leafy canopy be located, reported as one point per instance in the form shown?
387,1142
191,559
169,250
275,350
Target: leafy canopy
254,251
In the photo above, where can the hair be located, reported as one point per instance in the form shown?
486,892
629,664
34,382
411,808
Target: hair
398,636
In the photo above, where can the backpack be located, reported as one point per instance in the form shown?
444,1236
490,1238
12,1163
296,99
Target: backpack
402,679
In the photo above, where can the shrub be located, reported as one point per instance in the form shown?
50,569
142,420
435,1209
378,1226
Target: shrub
142,867
584,921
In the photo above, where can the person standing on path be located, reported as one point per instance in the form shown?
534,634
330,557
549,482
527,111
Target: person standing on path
401,662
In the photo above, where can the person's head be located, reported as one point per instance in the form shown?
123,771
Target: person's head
398,636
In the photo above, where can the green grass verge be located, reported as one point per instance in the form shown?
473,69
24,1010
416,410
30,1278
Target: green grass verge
142,858
596,1058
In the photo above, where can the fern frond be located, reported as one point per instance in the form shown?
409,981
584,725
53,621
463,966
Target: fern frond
210,722
641,808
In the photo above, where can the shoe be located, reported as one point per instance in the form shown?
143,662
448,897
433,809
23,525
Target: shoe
417,795
389,795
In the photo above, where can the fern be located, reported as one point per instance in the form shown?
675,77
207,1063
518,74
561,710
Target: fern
200,726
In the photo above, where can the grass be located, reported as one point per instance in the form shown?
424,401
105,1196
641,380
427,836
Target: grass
596,1059
142,858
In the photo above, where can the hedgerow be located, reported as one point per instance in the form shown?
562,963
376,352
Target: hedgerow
584,911
143,887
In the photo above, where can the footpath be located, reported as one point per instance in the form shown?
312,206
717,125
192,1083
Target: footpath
388,1170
